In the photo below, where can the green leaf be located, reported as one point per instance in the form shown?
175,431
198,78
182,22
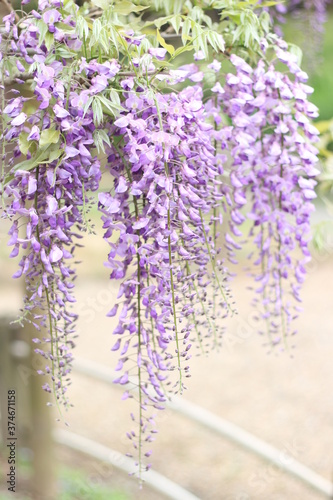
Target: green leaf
297,51
199,39
186,30
265,21
110,107
114,37
24,144
49,39
114,96
70,7
176,22
65,53
207,20
177,6
42,30
116,139
97,111
216,41
269,4
32,67
87,106
160,21
82,27
43,155
196,13
65,28
101,137
167,46
54,154
104,40
180,50
103,4
247,32
97,28
124,8
49,136
29,164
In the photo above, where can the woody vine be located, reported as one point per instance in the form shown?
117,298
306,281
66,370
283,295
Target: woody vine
197,114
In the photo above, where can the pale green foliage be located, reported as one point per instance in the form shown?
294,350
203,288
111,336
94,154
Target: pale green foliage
248,29
49,136
297,51
168,6
82,27
191,20
101,137
24,144
44,155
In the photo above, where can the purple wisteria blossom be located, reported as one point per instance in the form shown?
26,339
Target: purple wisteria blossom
47,204
174,163
271,178
310,17
50,17
166,184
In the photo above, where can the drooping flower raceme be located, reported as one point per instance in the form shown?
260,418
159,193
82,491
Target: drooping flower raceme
48,195
310,17
174,162
48,203
165,172
271,178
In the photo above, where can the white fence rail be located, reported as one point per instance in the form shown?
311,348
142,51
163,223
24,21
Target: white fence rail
96,450
222,427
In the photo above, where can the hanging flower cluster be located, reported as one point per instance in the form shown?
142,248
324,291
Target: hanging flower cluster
166,173
271,177
311,16
314,11
47,194
176,162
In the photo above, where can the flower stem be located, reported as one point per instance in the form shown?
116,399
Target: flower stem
174,303
284,330
48,302
139,352
213,264
167,173
136,208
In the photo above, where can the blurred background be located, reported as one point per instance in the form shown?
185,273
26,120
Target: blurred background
285,400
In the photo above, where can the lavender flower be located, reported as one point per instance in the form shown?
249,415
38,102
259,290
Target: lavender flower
310,17
165,170
173,167
272,170
53,201
50,17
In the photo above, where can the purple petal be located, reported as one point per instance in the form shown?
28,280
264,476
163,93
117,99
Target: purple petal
21,118
113,311
52,205
112,205
141,223
122,185
34,134
116,345
55,254
122,122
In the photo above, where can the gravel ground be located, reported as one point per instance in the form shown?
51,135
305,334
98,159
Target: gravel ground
285,401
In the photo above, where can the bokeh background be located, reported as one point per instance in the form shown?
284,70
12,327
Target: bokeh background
285,398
